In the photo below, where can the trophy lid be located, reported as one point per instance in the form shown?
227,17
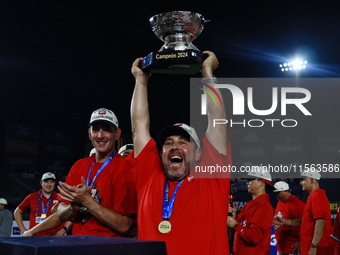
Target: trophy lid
177,22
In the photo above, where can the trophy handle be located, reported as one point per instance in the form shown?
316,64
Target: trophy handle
205,20
146,62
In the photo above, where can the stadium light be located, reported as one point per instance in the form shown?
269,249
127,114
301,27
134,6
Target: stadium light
296,65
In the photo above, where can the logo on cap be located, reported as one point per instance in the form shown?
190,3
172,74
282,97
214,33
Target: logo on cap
48,175
104,115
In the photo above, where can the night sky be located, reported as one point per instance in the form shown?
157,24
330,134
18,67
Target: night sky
61,60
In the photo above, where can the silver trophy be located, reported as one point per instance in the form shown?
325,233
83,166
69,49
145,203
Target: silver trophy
178,55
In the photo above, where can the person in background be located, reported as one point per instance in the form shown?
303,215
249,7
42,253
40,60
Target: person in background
6,219
40,205
316,222
253,224
125,150
336,234
288,207
44,225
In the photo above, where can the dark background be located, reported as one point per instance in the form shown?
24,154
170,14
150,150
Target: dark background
61,60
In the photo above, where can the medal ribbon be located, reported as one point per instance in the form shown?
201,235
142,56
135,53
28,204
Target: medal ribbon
44,210
169,205
107,161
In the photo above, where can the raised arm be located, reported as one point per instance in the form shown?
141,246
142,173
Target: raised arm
140,119
216,135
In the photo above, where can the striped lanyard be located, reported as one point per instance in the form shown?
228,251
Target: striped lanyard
44,210
169,205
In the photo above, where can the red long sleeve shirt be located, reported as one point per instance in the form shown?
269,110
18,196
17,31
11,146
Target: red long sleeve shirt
253,231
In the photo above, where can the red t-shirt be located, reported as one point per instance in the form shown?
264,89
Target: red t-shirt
199,216
253,231
287,236
336,233
317,207
30,203
114,188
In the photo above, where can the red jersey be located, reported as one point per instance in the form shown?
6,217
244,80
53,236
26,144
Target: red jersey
336,233
31,203
199,216
317,207
253,231
113,188
287,236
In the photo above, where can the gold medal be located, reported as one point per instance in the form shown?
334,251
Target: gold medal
164,227
43,216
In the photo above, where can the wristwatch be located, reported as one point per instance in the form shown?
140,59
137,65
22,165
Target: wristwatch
65,228
313,245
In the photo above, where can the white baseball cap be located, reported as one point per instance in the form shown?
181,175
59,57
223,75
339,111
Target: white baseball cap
178,129
104,115
261,173
47,176
125,147
3,201
311,173
281,186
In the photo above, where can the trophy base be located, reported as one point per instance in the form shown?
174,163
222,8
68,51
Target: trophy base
173,62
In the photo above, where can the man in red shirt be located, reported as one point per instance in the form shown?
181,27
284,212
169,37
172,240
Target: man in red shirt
288,207
316,223
40,205
99,194
336,234
186,212
253,224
